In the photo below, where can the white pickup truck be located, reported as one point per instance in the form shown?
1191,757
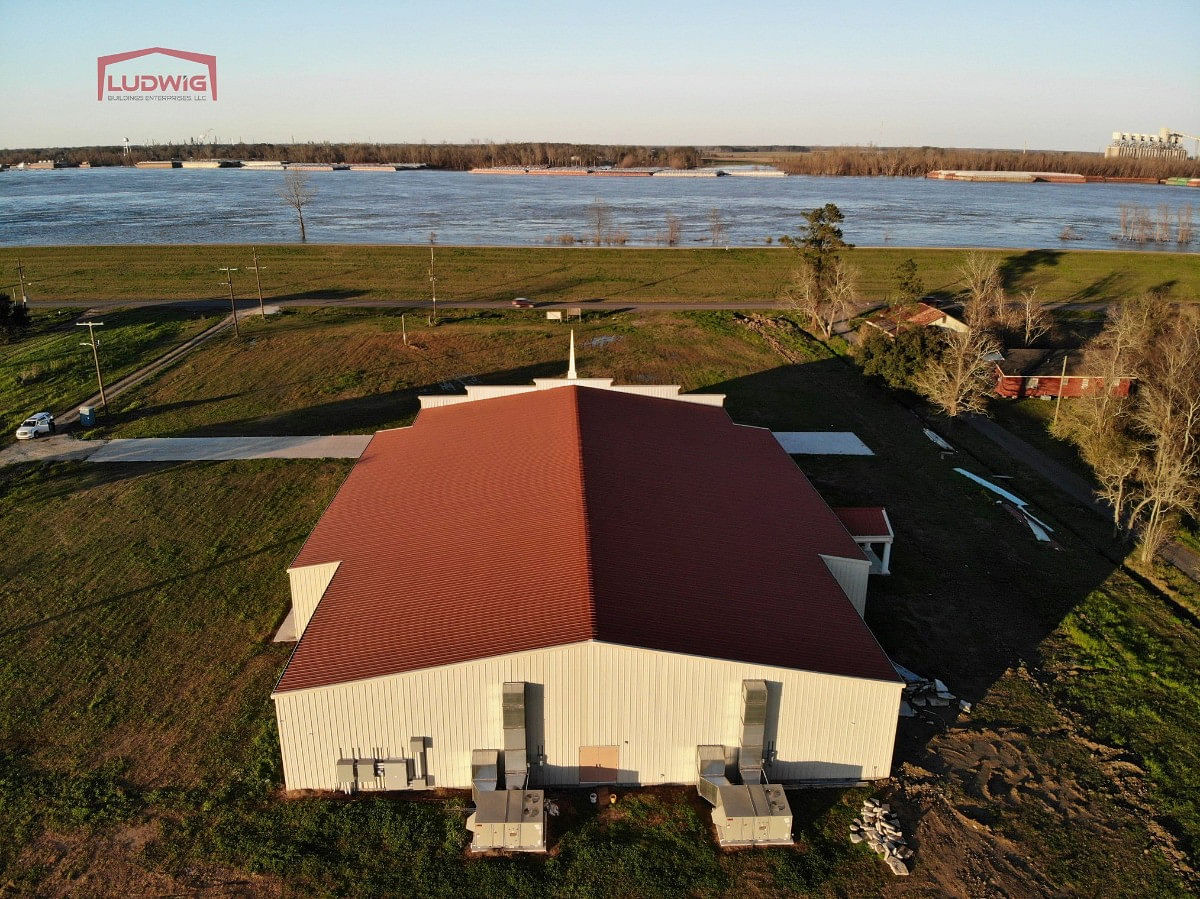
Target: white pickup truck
35,426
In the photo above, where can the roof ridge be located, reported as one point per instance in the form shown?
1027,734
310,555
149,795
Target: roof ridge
589,564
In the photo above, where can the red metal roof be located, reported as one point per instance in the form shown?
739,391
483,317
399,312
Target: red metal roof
573,514
864,521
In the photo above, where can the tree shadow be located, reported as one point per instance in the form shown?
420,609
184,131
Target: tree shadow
1104,289
1015,269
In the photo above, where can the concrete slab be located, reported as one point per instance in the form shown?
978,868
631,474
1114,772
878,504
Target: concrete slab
55,448
214,449
822,443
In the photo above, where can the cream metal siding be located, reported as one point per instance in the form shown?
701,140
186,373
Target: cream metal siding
655,706
308,586
475,392
852,575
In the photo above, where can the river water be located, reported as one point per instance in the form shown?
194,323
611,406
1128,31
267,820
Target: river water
169,206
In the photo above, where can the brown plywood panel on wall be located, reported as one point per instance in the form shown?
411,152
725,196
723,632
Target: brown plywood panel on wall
599,764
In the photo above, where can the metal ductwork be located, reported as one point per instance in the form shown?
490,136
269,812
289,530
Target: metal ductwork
516,759
752,813
513,818
754,726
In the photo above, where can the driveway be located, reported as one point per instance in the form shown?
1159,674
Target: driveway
213,449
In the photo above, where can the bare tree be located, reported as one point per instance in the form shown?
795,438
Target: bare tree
674,230
297,193
1032,315
600,216
984,305
960,380
824,306
1167,414
716,226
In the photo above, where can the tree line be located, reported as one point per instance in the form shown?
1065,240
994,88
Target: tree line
917,161
456,157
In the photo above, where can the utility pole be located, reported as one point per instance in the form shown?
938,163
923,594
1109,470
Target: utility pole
258,280
403,329
232,304
432,278
1061,386
21,278
92,326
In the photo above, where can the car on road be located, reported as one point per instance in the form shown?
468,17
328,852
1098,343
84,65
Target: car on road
35,426
522,303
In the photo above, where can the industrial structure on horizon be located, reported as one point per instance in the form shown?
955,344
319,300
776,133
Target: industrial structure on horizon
1167,144
576,583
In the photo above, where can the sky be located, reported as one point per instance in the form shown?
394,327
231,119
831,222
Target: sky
1042,75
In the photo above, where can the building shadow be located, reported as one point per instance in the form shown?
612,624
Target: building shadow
972,594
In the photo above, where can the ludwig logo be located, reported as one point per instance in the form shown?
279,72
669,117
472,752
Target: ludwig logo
159,85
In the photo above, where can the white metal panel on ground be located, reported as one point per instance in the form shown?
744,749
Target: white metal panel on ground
308,585
822,443
852,576
655,706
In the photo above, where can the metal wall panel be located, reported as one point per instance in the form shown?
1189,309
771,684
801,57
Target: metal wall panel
656,706
308,586
852,575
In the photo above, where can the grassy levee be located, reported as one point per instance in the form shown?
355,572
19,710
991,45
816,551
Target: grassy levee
332,272
47,369
1075,772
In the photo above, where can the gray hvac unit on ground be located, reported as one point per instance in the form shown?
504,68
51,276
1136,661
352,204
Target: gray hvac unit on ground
750,813
514,818
375,774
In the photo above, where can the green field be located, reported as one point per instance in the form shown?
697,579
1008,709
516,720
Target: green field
48,369
135,667
339,272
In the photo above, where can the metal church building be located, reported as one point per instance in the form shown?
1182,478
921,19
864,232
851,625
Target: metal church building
576,582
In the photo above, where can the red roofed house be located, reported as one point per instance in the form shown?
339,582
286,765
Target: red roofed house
621,564
1039,372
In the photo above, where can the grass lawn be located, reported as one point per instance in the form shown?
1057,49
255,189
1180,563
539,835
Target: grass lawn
333,272
140,680
49,370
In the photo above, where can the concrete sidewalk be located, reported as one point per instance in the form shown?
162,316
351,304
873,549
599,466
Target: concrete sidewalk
215,449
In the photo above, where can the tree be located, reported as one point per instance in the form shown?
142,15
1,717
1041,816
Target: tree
600,216
824,307
1032,316
984,304
909,286
823,287
674,230
821,241
1167,415
899,360
959,380
716,226
1101,424
14,318
297,193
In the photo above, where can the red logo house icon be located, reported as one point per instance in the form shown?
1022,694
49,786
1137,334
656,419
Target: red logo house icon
152,83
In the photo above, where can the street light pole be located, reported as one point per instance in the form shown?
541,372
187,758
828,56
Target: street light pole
91,326
232,304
